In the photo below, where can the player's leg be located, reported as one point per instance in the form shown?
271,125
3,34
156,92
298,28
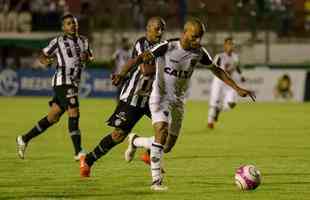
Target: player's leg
68,99
123,119
175,124
53,116
160,121
229,99
75,132
161,133
134,142
214,103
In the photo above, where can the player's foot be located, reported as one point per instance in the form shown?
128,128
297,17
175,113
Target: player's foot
79,155
145,157
131,149
158,186
84,168
211,125
21,147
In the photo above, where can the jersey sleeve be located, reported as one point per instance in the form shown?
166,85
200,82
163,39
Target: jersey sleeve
51,48
206,58
237,60
88,48
159,49
217,60
137,50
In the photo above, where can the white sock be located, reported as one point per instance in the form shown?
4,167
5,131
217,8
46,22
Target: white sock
145,142
211,114
156,157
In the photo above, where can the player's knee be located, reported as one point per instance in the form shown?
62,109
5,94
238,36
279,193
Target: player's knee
53,118
73,112
118,135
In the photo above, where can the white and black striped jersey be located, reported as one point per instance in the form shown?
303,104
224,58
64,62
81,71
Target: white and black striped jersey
69,65
174,68
228,63
137,88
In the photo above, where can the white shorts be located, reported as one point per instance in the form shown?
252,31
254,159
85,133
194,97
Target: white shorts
221,94
172,113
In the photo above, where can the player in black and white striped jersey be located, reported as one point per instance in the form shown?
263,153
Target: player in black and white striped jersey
133,104
70,51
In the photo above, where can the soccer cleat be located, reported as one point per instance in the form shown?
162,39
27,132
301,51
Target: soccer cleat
158,186
131,149
21,147
211,125
84,168
145,157
79,155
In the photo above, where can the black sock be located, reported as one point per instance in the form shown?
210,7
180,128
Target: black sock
42,125
101,149
75,133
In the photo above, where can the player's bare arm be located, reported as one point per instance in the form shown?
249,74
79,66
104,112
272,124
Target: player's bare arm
238,69
145,69
86,57
221,74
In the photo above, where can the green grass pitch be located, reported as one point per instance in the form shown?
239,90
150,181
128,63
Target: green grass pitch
274,137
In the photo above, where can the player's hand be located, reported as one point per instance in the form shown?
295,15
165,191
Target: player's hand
245,93
47,61
117,79
84,57
147,56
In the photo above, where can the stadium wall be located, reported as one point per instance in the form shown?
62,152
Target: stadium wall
263,81
97,83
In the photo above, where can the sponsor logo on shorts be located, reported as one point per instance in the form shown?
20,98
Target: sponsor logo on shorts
117,122
72,101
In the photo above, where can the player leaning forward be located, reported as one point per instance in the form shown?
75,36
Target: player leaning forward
71,51
175,62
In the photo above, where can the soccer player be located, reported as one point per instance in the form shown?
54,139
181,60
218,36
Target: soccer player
71,52
222,96
175,62
134,97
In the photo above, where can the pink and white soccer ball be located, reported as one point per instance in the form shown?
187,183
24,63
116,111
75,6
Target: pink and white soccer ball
247,177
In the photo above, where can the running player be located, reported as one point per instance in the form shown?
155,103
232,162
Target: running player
175,62
222,96
134,97
72,52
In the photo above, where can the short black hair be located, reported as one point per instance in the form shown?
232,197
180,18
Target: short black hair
67,16
228,39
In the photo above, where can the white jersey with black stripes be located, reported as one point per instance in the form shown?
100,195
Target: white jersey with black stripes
68,53
136,90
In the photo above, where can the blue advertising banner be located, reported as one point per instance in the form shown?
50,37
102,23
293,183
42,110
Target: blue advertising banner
30,82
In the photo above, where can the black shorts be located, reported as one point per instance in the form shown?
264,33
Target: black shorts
65,96
126,116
